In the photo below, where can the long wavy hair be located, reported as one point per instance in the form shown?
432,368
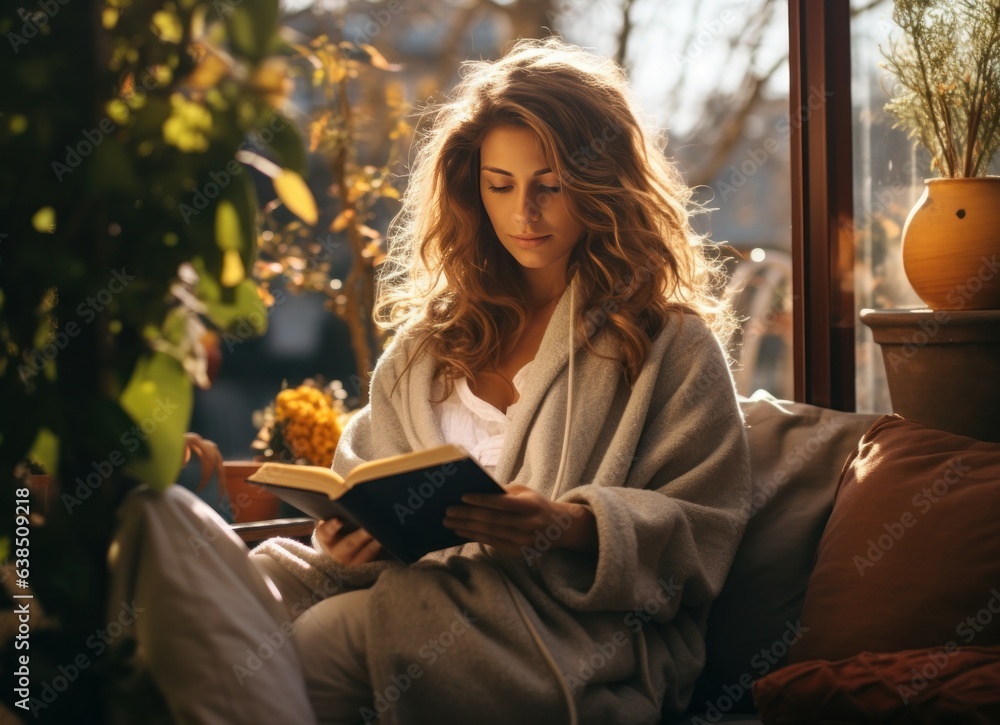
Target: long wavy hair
447,274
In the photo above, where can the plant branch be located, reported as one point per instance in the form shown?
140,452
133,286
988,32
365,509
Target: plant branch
354,309
948,64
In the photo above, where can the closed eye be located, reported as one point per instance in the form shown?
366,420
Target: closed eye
499,189
550,189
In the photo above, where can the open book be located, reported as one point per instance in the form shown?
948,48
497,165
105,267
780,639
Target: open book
400,500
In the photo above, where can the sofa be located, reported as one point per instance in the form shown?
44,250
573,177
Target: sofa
769,632
872,541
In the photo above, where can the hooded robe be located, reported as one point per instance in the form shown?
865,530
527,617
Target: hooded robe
613,637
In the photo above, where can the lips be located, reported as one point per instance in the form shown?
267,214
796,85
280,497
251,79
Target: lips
530,241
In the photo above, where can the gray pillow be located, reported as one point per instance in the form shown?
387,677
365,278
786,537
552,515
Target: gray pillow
207,638
797,452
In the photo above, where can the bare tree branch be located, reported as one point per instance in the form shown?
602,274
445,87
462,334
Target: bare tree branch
626,30
731,130
723,115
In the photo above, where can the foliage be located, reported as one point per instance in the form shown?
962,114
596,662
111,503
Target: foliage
342,81
948,68
124,221
303,424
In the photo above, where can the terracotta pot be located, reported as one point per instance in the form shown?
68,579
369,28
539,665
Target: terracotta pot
951,242
248,502
943,367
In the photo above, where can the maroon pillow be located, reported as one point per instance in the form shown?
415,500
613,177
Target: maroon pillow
937,685
910,557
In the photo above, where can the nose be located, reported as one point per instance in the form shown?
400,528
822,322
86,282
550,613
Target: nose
527,210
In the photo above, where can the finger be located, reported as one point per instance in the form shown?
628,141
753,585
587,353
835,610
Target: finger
520,499
326,531
483,524
517,519
348,546
190,445
367,553
211,461
331,525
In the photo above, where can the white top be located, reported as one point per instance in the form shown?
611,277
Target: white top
474,424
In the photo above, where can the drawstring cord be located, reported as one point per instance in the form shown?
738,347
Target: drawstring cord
569,404
549,659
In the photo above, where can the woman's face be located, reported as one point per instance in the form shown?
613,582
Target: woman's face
525,201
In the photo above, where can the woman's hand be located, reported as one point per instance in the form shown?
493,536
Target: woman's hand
523,518
357,547
209,455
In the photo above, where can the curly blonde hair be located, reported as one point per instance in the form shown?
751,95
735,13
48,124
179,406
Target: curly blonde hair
447,274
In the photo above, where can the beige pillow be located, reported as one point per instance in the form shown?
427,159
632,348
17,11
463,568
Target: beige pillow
797,452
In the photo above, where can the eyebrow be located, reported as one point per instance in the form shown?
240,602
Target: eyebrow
495,170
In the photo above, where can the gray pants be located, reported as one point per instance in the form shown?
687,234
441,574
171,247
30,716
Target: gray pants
332,642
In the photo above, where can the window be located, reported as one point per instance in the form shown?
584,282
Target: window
888,179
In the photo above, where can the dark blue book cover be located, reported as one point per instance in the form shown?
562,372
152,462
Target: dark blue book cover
403,509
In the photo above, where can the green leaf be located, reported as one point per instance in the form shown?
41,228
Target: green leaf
45,450
236,219
158,399
252,27
233,270
241,32
175,327
228,232
244,198
286,143
238,310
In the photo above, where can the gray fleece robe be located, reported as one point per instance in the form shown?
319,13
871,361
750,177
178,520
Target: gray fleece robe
557,635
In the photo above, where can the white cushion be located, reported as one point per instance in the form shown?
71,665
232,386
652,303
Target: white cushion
205,625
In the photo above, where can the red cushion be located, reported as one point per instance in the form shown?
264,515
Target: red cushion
910,557
937,685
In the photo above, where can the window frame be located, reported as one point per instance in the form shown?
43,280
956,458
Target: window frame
819,58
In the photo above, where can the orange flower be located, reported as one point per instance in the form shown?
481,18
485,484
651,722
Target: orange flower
306,422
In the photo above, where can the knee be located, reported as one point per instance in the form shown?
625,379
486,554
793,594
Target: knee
332,630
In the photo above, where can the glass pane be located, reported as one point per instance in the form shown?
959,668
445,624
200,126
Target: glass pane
714,73
889,173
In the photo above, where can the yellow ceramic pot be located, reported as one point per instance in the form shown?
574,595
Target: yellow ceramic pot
951,244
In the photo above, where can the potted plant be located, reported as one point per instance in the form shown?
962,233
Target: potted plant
301,425
947,64
125,219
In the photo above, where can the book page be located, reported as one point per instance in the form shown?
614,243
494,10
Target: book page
373,470
306,478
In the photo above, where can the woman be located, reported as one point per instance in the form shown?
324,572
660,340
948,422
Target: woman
554,316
